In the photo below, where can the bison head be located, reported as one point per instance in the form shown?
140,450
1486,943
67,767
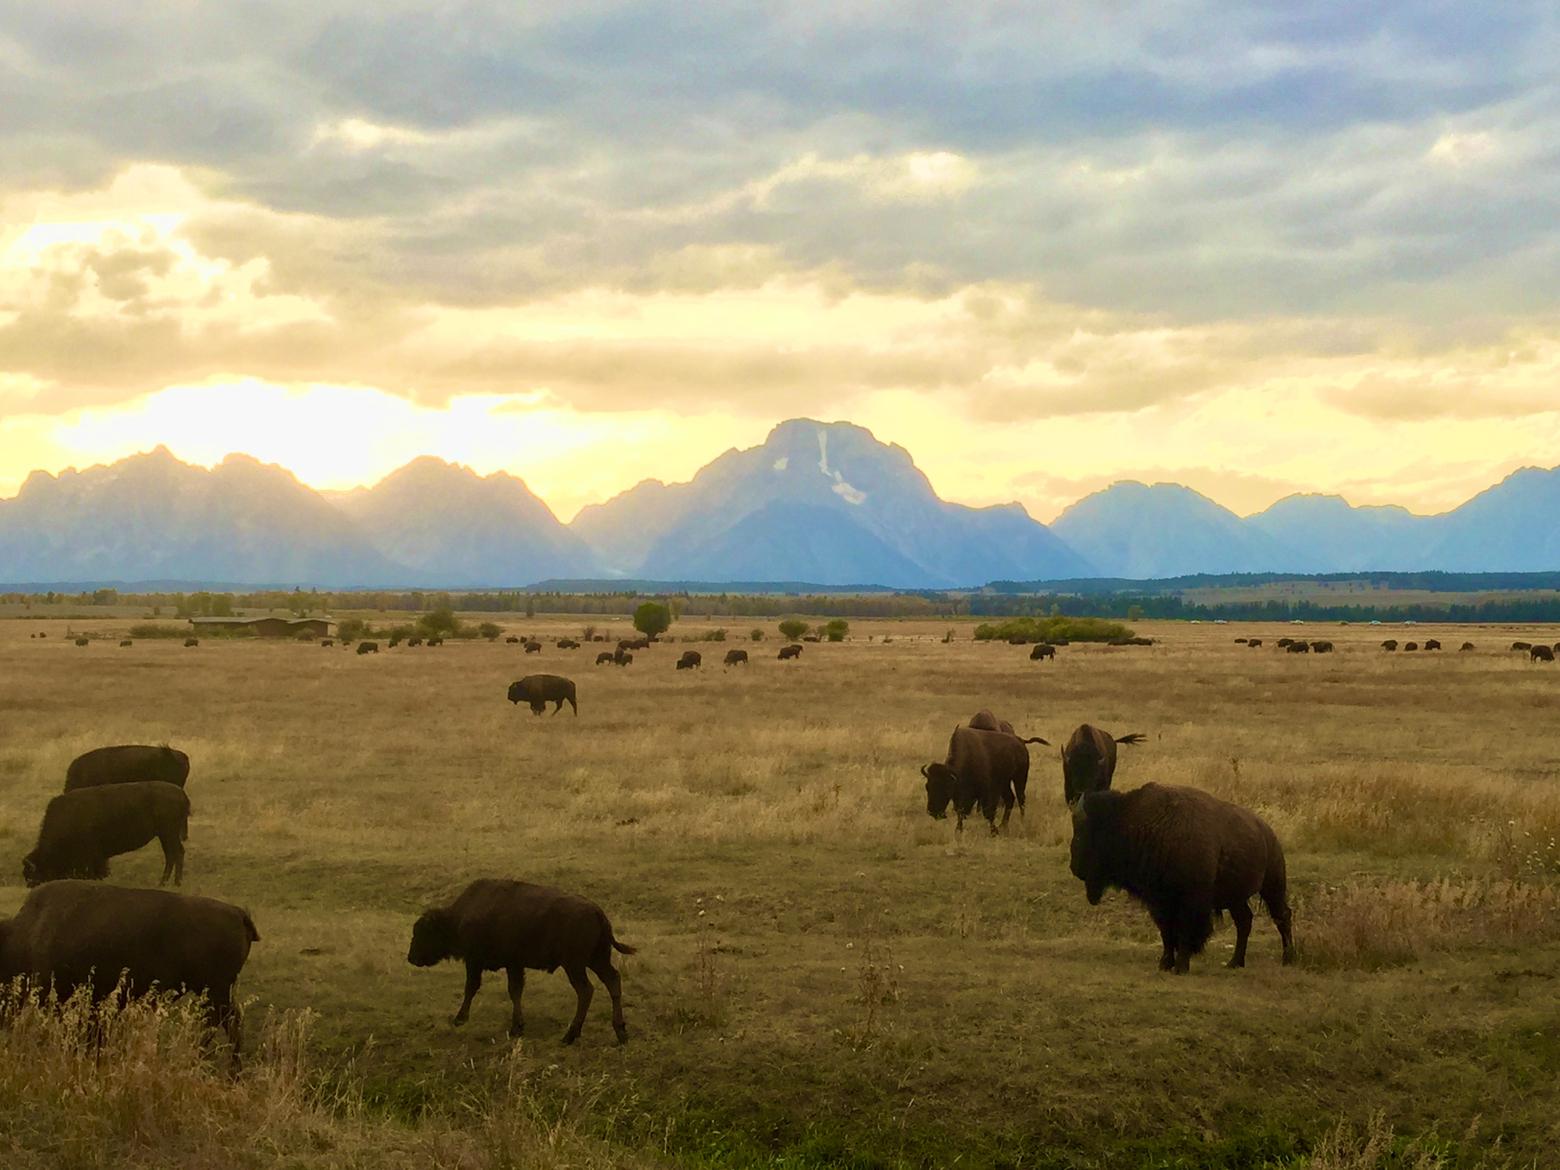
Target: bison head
433,939
940,781
1086,861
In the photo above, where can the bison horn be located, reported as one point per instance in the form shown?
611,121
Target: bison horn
926,771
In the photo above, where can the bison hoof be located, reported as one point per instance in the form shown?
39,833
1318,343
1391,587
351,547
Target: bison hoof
1166,963
570,1037
622,1035
457,1021
1236,963
516,1031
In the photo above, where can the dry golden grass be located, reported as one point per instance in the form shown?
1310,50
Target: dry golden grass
824,970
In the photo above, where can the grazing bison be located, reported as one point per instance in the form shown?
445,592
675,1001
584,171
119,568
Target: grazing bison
533,647
126,764
368,647
1410,646
537,690
1186,855
1390,644
1466,646
435,642
514,926
1089,760
327,641
1019,640
984,720
126,642
1254,643
83,641
983,767
689,660
605,656
1242,641
414,641
512,640
634,644
568,644
1298,647
792,651
1522,645
1043,650
1432,644
621,657
1133,641
1284,643
81,830
1540,653
734,657
395,641
73,934
1322,647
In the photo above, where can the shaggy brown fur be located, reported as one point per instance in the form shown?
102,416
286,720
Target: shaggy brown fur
126,763
1186,855
1089,760
83,934
689,660
733,657
81,830
537,690
507,925
983,767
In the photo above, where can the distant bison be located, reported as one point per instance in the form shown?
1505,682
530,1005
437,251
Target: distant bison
435,642
1321,647
1466,646
537,690
1043,650
327,642
604,656
736,657
1089,760
126,642
368,647
1432,644
568,644
1132,641
1254,643
634,644
515,926
1298,647
622,658
1284,643
1540,653
512,640
982,767
689,660
1186,855
533,647
1242,641
1410,646
395,641
1390,644
73,934
125,764
414,641
792,651
83,641
82,829
1522,645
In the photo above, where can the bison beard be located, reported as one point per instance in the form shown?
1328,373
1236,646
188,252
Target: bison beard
1186,855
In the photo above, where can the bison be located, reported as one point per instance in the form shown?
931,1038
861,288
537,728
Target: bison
1043,650
1432,644
513,926
736,657
1522,646
622,657
983,767
568,644
634,644
1407,646
1298,647
604,656
414,642
368,647
1186,855
512,640
81,830
1254,643
532,647
434,642
537,690
1540,653
1089,760
984,720
126,764
1390,644
792,651
72,934
83,641
689,660
327,641
1321,647
126,642
1284,643
1242,641
1466,646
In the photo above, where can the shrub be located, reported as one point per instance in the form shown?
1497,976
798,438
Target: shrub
489,631
756,635
1074,629
351,629
836,629
793,628
715,636
652,618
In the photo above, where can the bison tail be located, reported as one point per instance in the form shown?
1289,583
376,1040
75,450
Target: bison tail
623,948
1135,737
249,928
1037,739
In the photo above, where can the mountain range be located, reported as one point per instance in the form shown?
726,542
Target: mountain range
823,503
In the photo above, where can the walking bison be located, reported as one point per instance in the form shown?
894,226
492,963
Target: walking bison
984,767
690,660
368,647
82,829
736,658
513,926
1186,855
127,763
604,657
1041,651
792,651
537,690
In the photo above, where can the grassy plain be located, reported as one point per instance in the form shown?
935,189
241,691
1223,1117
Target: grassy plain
826,975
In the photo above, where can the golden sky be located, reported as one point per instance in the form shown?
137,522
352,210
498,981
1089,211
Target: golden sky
1245,252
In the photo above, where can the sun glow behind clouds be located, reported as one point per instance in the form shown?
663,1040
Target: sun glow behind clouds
340,437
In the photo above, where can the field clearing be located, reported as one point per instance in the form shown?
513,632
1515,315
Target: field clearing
826,975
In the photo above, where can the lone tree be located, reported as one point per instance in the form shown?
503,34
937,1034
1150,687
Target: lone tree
793,628
489,631
439,623
836,629
652,619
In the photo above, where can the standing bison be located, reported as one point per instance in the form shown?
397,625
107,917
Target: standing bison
1432,644
1186,855
983,767
690,660
512,926
1089,760
537,690
1043,650
368,647
792,651
1390,644
532,647
736,657
1327,647
1540,653
126,764
72,934
604,657
81,830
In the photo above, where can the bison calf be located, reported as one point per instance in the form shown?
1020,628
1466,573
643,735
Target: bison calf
507,925
1185,854
72,934
538,690
81,830
125,764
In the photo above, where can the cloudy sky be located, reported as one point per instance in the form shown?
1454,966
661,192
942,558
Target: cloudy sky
1254,248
